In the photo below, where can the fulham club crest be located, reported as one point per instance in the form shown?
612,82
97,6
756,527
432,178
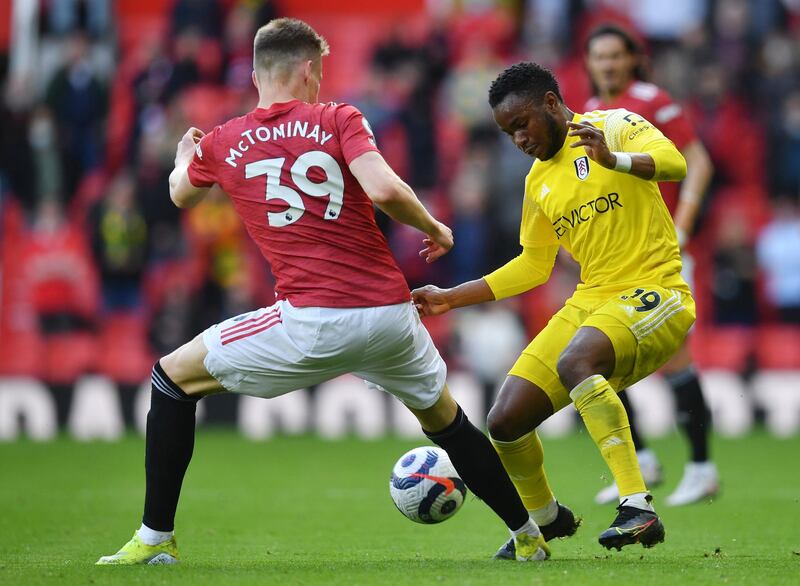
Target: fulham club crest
582,167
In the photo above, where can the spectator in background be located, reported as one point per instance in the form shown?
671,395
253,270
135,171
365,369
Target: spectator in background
469,198
240,25
784,155
734,40
416,71
510,166
47,175
78,101
238,47
777,75
60,275
217,235
119,243
721,113
149,88
185,72
152,183
778,249
734,274
202,16
465,90
16,152
65,16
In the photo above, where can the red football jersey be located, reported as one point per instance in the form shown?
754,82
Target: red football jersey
657,106
286,170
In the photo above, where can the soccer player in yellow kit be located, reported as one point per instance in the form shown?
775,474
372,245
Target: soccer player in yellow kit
593,190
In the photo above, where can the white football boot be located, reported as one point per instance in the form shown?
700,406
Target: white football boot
700,481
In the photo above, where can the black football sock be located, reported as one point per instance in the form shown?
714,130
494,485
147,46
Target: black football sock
638,442
693,413
479,466
169,445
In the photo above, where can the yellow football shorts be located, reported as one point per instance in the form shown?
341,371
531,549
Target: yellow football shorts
646,325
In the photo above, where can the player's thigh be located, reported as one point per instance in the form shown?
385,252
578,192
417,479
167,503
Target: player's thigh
268,352
646,326
401,358
185,367
538,363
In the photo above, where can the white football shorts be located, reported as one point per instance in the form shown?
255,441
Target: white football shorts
278,349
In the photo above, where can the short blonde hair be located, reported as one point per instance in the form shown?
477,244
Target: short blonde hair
282,42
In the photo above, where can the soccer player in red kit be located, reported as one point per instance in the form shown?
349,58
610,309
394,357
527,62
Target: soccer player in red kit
304,176
614,60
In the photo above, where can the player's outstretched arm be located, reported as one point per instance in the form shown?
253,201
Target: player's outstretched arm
432,300
181,190
392,195
520,274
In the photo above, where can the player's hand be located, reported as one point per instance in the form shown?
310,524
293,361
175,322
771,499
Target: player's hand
593,141
187,145
430,300
437,244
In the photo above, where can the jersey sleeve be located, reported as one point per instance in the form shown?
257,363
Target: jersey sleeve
355,134
524,272
671,118
630,133
203,168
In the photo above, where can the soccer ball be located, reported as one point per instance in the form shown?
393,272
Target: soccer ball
425,487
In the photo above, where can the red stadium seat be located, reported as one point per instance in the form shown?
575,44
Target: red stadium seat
69,356
21,353
725,348
778,347
124,356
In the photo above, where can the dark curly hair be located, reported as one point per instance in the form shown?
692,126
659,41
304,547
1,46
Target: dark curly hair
526,79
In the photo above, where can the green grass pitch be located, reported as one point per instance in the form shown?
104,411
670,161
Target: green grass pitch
298,511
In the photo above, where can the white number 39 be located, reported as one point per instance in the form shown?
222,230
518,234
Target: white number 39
333,186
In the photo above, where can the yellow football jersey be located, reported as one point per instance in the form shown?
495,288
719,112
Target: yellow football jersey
615,225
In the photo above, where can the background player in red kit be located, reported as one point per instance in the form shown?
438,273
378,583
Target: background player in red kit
614,60
303,176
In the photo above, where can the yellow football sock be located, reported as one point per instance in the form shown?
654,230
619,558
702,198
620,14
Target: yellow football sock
523,459
607,423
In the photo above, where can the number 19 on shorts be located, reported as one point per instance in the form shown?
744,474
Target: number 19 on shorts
649,299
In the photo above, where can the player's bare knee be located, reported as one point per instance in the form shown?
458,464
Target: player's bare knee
503,425
171,363
185,364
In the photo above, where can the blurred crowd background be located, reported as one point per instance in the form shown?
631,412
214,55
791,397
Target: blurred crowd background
102,274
